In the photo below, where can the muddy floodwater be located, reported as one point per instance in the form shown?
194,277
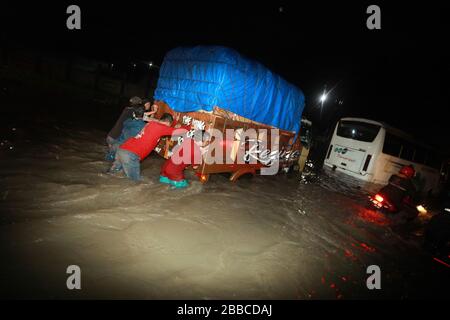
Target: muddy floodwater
273,237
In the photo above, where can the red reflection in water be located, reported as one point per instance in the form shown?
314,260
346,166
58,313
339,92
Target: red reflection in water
366,247
373,216
349,254
441,262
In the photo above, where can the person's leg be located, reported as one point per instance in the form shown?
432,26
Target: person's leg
164,179
116,166
180,184
111,148
174,175
176,184
163,174
130,163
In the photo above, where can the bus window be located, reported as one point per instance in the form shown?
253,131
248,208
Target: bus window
434,161
420,155
392,145
356,130
407,151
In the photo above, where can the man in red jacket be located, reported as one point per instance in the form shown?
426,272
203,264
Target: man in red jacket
189,152
134,150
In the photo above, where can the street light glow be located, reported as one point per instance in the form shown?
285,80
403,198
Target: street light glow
323,97
152,65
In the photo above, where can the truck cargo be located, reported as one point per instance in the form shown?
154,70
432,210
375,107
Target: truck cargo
213,87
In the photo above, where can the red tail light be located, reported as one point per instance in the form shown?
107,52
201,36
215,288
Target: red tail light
379,198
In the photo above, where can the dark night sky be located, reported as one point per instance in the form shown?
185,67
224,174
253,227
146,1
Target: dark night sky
395,74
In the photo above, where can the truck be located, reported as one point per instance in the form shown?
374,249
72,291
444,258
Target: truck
215,88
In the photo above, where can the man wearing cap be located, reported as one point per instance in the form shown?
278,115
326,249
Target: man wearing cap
116,130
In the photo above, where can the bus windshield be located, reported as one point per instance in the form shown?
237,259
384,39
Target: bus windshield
356,130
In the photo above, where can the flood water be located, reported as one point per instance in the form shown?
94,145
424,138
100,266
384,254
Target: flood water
264,237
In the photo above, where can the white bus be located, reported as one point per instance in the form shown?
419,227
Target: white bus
372,151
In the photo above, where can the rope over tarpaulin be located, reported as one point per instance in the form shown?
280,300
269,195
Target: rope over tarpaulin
201,77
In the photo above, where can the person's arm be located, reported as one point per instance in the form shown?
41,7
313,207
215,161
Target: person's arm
150,119
174,131
154,109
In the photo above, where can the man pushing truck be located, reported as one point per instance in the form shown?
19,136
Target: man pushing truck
134,150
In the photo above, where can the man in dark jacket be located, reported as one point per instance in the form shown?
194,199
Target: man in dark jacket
400,185
437,232
131,127
116,131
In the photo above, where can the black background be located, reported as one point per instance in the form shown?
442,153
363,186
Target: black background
398,74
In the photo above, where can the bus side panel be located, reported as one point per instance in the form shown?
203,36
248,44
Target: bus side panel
426,179
386,166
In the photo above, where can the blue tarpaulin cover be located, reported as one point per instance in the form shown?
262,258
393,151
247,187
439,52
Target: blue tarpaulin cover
201,77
